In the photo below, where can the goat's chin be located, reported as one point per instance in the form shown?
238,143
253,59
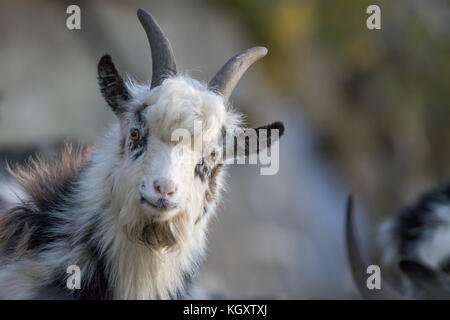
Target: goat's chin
159,214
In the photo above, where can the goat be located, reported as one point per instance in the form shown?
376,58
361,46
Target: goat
414,249
132,212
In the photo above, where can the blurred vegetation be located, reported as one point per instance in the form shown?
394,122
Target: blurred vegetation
378,98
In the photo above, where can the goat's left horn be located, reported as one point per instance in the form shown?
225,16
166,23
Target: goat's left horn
163,60
228,76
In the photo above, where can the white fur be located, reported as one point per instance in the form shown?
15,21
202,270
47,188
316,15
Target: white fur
435,248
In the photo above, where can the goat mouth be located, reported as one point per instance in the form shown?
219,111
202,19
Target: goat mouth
160,204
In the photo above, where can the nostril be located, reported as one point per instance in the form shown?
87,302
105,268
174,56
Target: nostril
172,191
157,186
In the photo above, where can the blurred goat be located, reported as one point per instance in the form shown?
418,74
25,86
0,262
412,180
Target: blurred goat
414,247
133,212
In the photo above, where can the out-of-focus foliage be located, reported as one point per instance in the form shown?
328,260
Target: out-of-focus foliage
380,99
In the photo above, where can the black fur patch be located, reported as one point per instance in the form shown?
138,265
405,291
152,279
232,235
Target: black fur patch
202,171
112,85
37,219
416,221
96,286
31,230
138,147
210,193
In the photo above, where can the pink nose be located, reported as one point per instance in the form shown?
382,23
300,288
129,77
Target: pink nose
165,187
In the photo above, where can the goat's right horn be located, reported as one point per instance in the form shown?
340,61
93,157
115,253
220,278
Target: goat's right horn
228,76
359,263
163,60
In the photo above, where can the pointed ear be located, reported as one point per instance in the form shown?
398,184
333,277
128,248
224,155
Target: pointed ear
249,141
435,282
112,85
274,132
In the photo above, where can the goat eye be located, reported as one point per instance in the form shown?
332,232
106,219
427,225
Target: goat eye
134,134
213,155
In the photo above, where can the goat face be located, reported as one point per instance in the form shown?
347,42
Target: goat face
172,132
173,140
171,144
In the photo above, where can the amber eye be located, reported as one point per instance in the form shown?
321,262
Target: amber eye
134,134
213,154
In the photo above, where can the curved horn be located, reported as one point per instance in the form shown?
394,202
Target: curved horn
228,76
359,263
163,60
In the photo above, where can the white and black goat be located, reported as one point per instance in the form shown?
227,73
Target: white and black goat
131,213
414,249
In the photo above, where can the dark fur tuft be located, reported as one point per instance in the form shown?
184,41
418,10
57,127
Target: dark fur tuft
413,222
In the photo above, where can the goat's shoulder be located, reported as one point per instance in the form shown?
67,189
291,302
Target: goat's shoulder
47,186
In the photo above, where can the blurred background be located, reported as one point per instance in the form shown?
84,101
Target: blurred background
366,111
